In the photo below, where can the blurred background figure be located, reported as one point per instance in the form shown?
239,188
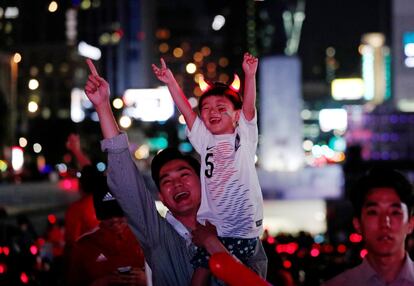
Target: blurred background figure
109,254
80,216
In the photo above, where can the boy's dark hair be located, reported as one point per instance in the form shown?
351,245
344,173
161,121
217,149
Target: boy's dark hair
221,89
168,155
381,177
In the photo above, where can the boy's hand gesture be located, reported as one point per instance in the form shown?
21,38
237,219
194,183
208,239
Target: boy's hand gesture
163,73
96,88
249,64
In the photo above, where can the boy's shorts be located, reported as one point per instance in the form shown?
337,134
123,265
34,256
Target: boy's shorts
242,248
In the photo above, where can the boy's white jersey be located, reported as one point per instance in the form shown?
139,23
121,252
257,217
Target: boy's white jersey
231,195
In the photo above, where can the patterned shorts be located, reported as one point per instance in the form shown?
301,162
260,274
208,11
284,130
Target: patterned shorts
242,248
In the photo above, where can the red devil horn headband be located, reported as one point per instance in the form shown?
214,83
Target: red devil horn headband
204,85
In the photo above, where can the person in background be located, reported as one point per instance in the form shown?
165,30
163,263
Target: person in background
383,215
80,215
109,254
167,242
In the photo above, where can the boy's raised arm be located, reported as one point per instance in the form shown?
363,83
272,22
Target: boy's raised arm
250,64
97,90
165,75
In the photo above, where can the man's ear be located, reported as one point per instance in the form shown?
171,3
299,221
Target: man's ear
357,224
161,197
410,224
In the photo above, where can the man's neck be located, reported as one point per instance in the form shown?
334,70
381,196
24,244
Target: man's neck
188,221
388,267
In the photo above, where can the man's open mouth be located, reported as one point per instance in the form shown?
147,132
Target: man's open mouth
181,196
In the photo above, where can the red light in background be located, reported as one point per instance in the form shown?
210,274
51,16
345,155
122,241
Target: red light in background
341,248
355,238
6,250
289,248
120,33
24,278
287,264
315,252
69,184
3,268
270,240
363,253
328,248
33,249
67,158
41,241
51,218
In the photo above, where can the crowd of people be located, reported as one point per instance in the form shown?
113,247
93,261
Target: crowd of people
114,235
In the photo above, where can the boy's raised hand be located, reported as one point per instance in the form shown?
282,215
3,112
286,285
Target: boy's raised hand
250,64
96,88
163,73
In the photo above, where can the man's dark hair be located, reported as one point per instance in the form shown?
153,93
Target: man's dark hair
221,89
381,177
168,155
105,204
89,178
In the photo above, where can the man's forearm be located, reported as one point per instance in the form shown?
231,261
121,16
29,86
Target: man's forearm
107,121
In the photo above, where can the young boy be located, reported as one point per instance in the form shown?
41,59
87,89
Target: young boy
225,135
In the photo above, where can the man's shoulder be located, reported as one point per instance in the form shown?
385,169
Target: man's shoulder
347,278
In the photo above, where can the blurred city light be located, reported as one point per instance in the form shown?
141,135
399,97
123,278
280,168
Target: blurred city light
125,121
178,52
33,84
17,58
148,104
77,113
101,166
89,51
408,46
22,142
37,148
142,152
11,13
347,88
17,158
3,166
24,278
53,6
218,22
190,68
331,119
32,106
117,103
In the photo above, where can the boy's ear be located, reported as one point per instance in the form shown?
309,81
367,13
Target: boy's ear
237,116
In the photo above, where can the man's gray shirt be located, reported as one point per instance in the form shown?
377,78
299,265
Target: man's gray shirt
364,274
166,251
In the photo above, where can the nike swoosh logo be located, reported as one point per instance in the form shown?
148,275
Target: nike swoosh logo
209,148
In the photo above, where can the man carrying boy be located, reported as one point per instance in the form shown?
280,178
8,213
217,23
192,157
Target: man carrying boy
166,242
